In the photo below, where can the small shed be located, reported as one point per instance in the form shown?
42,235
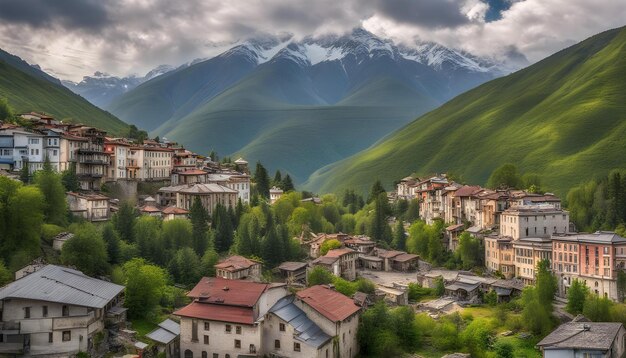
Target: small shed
371,262
463,290
167,338
405,262
293,271
60,239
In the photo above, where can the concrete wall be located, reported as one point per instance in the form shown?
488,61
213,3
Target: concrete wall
220,341
271,333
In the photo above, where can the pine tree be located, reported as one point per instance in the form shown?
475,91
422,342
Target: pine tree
287,184
49,182
262,181
223,226
375,191
112,241
272,252
24,172
399,236
278,179
124,221
379,228
199,222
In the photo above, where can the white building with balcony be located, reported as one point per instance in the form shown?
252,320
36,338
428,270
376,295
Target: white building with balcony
54,311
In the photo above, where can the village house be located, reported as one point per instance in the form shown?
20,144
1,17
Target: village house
289,332
90,206
585,339
157,163
335,314
91,159
183,196
406,188
189,176
167,338
54,311
225,318
398,260
236,181
363,245
499,255
594,259
429,193
293,272
172,212
341,262
275,194
238,267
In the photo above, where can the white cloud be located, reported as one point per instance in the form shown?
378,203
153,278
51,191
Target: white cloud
133,36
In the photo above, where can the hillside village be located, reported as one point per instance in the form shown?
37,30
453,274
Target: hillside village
317,297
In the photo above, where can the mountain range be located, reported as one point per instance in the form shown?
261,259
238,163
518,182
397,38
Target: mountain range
298,105
563,118
28,88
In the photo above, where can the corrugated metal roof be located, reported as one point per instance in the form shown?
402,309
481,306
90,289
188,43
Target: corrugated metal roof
171,326
63,285
166,332
307,331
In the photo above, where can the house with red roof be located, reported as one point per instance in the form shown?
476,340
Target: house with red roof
336,314
341,262
225,317
238,267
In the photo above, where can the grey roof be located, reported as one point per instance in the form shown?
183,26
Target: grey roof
292,266
599,335
459,285
601,237
167,331
63,285
307,331
501,291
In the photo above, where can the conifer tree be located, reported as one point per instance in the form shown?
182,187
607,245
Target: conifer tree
199,222
287,184
49,182
262,181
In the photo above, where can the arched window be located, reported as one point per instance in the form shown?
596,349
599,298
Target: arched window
188,354
204,354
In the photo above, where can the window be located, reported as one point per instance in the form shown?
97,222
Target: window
50,337
238,329
296,347
281,327
26,312
215,355
204,354
207,326
65,311
67,336
44,311
194,330
277,344
228,328
206,339
237,343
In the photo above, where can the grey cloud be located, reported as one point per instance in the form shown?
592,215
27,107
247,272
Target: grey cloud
427,13
70,14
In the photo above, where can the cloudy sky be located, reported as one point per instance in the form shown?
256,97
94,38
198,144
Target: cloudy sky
73,38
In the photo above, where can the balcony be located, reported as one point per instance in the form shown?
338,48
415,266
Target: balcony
10,327
93,150
90,175
73,321
94,161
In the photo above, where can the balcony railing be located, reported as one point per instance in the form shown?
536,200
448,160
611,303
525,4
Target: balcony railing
73,321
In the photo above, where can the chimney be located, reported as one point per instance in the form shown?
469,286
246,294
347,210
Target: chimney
586,327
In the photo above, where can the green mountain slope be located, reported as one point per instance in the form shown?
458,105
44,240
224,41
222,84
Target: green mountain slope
563,118
26,92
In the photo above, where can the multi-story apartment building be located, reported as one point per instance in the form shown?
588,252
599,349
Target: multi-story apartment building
91,159
429,192
54,312
118,150
499,255
529,251
92,207
157,163
406,188
594,259
533,221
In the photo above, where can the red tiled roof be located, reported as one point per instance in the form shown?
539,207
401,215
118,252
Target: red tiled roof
228,292
235,263
217,312
389,254
329,303
467,190
405,257
150,209
175,210
359,241
339,252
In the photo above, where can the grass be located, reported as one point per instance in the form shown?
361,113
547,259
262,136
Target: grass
143,326
26,93
561,118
